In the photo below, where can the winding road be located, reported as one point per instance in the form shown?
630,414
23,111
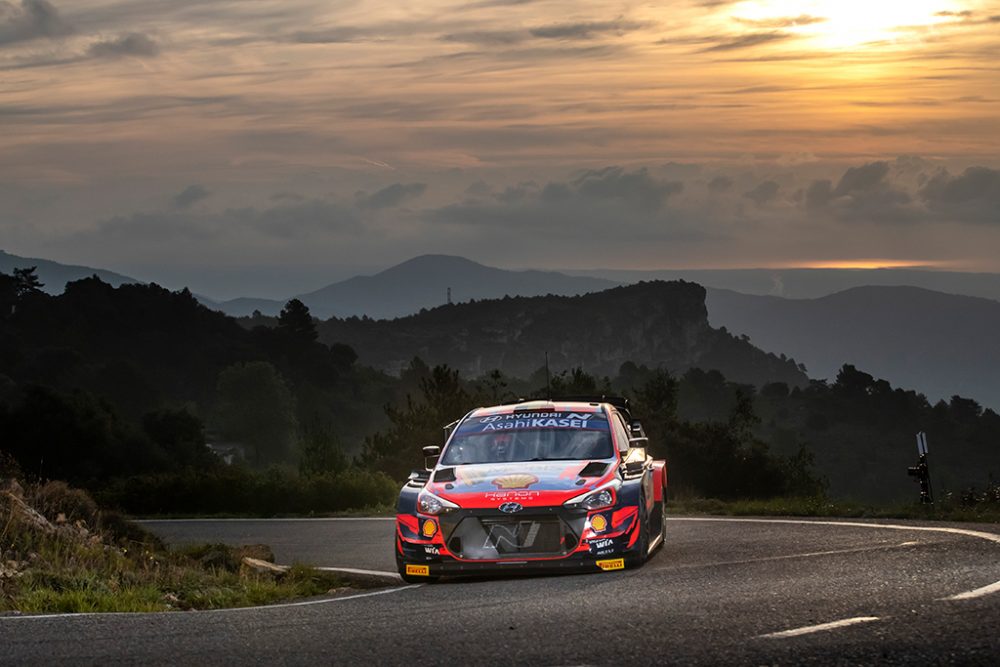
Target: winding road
720,591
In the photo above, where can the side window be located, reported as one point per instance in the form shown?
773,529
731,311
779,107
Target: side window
621,433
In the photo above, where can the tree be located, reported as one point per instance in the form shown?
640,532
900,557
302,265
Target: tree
320,452
27,281
180,434
443,399
255,407
296,321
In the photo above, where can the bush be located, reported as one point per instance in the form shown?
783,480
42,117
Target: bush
56,498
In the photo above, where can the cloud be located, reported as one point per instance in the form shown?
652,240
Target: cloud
972,196
328,36
782,22
720,184
748,41
862,179
585,30
31,19
487,37
130,44
864,194
190,195
636,187
763,193
588,206
819,194
391,195
150,230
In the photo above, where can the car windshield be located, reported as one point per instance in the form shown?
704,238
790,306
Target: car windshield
549,436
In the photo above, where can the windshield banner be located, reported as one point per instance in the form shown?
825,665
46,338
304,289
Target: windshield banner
534,420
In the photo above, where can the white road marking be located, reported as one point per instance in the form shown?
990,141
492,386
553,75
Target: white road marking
306,603
352,570
968,595
822,627
977,593
993,537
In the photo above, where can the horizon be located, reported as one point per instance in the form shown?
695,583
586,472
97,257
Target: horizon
598,272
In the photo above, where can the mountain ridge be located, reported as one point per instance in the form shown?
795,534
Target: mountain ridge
657,323
939,344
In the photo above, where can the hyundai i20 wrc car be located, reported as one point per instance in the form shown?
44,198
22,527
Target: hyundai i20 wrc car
557,485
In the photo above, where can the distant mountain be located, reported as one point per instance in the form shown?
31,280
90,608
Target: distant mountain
813,283
54,275
657,324
422,282
939,344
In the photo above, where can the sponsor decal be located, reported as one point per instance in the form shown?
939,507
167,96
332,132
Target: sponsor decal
533,420
521,481
510,508
604,552
502,496
502,534
602,543
611,564
418,570
429,528
431,550
598,523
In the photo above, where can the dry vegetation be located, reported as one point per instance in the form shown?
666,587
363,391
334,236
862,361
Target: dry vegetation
60,553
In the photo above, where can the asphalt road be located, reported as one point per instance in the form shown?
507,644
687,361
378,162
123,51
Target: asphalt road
720,591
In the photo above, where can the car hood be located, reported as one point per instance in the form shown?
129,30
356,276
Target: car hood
532,483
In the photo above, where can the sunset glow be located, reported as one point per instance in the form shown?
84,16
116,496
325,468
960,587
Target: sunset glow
312,134
847,23
867,264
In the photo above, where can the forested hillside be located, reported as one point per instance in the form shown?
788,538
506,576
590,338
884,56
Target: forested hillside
120,390
658,324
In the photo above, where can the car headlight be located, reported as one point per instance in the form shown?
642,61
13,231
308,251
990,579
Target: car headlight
428,503
593,500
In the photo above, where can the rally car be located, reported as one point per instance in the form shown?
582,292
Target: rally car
533,486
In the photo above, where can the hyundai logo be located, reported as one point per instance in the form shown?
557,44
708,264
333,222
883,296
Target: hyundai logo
510,508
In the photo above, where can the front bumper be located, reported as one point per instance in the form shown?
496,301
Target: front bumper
543,539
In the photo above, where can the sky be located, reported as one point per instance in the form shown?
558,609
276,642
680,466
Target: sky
268,147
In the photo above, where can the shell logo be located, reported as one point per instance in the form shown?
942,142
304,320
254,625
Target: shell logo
429,528
598,523
521,481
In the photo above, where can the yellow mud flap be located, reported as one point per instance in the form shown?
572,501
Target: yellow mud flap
608,565
418,570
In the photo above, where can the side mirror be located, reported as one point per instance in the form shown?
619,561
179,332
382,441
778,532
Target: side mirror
641,441
431,454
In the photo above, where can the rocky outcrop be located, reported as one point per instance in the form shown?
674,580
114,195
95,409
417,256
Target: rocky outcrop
659,324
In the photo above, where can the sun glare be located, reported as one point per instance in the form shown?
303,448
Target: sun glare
844,23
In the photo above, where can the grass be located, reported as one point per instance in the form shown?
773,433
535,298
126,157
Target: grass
99,563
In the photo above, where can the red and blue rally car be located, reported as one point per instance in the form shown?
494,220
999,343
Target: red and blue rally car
533,486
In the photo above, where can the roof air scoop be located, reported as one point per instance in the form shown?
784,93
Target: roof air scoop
594,469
